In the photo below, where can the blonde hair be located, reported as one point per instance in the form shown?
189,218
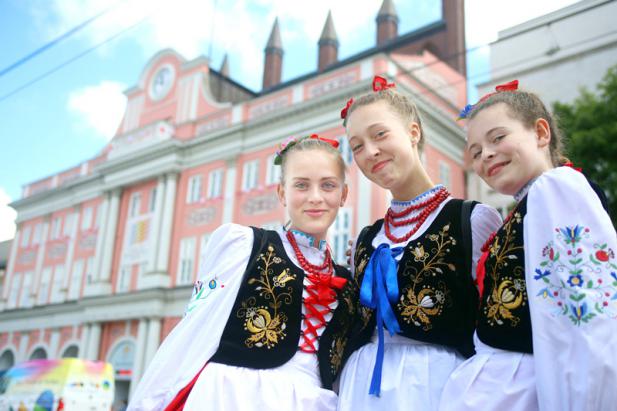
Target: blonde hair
401,104
306,144
527,108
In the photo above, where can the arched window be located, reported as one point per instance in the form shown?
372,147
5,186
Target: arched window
7,360
71,352
39,354
122,358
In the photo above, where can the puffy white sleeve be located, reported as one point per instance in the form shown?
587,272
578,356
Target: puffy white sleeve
485,220
196,337
570,272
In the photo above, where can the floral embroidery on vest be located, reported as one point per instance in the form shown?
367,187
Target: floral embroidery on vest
508,293
362,257
420,301
585,294
267,324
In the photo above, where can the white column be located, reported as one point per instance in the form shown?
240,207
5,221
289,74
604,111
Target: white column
23,346
94,341
40,257
100,237
84,340
230,191
166,223
68,263
110,235
11,265
153,340
156,224
142,332
53,344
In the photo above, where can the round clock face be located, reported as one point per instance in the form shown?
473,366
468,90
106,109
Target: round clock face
161,82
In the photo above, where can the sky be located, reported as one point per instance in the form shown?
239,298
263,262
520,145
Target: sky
61,106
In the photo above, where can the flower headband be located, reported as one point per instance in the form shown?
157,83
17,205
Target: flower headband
510,86
291,141
379,84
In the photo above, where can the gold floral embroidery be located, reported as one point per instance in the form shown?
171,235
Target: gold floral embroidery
336,353
267,324
362,259
419,302
509,293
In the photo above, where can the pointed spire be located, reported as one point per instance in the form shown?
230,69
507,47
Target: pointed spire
273,65
387,22
328,45
274,41
328,33
225,66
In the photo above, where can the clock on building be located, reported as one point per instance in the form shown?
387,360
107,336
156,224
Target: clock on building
161,82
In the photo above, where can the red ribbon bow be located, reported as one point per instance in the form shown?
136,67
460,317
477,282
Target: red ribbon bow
510,86
346,109
333,143
324,285
380,83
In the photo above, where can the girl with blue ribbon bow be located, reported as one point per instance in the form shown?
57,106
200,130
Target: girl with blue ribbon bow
412,267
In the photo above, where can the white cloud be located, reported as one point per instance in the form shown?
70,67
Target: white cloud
7,217
99,108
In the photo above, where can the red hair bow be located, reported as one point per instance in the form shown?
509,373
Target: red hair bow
510,86
333,143
346,109
380,83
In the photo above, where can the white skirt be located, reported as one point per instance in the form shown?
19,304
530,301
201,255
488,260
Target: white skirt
492,380
295,385
413,375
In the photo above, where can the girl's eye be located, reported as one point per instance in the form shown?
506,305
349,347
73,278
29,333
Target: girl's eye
498,138
476,155
356,148
329,185
300,186
380,134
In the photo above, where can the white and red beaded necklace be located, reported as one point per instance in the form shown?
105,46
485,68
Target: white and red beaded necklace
320,292
427,206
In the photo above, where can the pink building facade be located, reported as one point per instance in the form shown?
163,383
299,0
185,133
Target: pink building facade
105,253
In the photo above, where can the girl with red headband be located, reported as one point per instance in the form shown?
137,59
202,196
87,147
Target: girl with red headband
267,325
547,324
414,267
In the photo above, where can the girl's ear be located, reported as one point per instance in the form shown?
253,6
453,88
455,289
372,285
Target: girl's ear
344,196
414,132
280,191
543,132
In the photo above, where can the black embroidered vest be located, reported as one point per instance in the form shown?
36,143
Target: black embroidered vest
504,320
437,297
264,327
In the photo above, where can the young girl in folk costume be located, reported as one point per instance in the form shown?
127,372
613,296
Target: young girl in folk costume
547,326
266,327
412,266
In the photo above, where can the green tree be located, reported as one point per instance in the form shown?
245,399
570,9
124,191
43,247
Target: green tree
590,128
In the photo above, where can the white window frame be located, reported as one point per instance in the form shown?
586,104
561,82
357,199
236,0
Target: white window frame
86,218
135,204
152,199
193,189
124,278
340,234
56,286
26,289
55,228
345,150
445,174
186,261
215,183
273,172
25,236
250,175
44,285
97,218
89,274
203,249
14,291
69,220
36,236
76,279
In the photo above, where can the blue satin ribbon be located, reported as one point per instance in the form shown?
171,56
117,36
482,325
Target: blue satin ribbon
379,289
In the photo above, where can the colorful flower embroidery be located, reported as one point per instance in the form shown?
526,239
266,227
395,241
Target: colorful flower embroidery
200,293
585,294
